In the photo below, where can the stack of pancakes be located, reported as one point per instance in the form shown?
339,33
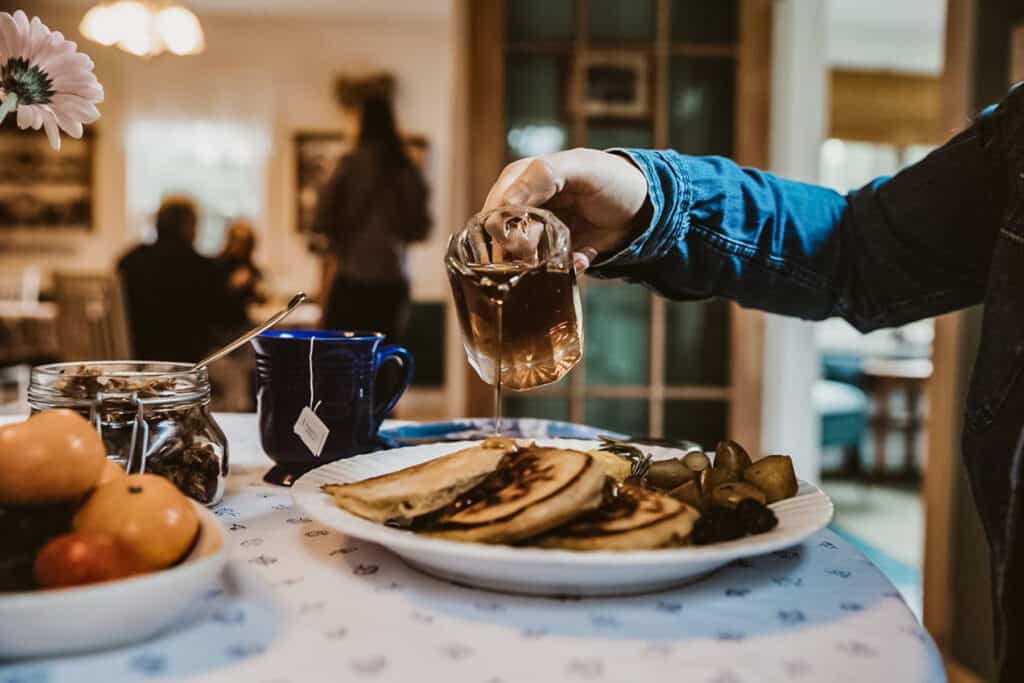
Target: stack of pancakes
499,492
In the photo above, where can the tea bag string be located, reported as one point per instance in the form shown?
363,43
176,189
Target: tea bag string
311,406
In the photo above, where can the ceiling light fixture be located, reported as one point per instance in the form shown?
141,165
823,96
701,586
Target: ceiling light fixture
144,28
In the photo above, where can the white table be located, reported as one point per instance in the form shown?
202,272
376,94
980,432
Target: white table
303,604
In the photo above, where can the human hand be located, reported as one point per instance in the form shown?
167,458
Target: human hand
598,195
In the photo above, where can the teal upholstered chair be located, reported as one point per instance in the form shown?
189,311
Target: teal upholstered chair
842,406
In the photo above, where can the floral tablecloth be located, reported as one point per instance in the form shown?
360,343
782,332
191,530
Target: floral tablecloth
301,603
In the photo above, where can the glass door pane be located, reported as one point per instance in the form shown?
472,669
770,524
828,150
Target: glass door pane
704,21
605,135
535,104
702,421
618,21
617,333
697,343
701,107
524,405
628,416
539,20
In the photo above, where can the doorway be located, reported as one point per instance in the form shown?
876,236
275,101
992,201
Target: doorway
885,71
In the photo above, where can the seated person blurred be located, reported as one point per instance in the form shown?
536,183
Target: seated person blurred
174,295
241,276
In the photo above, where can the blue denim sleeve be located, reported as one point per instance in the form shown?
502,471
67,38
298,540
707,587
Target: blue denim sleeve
898,249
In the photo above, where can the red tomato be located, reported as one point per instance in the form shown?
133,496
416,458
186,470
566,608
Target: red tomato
83,557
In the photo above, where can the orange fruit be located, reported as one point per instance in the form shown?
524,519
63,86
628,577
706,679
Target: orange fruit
83,557
53,456
147,513
111,472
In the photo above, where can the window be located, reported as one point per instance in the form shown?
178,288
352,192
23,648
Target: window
220,165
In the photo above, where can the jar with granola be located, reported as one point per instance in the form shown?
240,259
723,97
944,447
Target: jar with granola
153,417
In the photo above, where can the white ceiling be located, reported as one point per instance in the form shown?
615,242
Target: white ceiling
902,35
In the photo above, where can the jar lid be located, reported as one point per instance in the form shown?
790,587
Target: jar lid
81,385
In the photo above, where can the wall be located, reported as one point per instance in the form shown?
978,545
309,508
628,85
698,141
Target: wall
799,106
883,35
276,74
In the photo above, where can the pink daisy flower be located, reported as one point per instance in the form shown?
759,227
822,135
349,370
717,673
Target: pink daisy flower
45,79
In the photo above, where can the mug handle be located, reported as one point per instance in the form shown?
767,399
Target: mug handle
395,354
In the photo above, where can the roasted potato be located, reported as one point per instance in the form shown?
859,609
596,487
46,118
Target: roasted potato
731,456
774,475
712,477
668,474
731,493
698,461
690,494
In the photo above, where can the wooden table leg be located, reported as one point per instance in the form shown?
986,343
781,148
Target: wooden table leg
881,425
913,393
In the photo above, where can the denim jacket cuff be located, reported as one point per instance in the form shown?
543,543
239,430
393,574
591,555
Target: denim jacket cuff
670,197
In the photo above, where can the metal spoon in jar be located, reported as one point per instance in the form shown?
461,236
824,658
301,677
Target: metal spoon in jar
273,320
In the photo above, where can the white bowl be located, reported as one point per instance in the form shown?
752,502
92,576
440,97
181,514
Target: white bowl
103,615
537,571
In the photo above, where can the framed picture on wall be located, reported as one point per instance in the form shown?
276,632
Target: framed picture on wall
316,157
616,85
42,190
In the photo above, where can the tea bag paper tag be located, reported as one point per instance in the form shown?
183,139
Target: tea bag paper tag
311,430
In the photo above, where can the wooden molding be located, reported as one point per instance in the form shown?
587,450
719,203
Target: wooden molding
486,149
753,83
752,136
957,673
945,410
885,107
1017,54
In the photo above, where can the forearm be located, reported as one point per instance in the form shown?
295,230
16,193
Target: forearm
899,249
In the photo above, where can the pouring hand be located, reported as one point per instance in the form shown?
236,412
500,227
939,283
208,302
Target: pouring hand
600,196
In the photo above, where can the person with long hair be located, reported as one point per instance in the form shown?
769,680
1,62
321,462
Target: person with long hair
242,277
373,206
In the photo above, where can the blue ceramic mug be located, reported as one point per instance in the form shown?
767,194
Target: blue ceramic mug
318,390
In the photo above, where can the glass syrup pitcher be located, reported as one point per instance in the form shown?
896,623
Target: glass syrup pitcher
515,291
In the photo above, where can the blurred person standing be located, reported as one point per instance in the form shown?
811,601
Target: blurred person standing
173,294
372,207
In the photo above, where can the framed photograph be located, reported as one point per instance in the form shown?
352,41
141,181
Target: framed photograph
316,157
616,85
41,190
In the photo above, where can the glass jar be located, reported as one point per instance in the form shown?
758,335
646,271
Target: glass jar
153,417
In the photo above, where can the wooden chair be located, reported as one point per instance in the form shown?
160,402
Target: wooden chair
20,285
93,322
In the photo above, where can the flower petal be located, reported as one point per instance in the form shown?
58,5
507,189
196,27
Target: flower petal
39,36
29,117
66,67
50,125
75,107
90,93
53,49
69,124
10,39
21,21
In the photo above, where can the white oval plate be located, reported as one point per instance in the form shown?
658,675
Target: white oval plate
537,571
103,615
